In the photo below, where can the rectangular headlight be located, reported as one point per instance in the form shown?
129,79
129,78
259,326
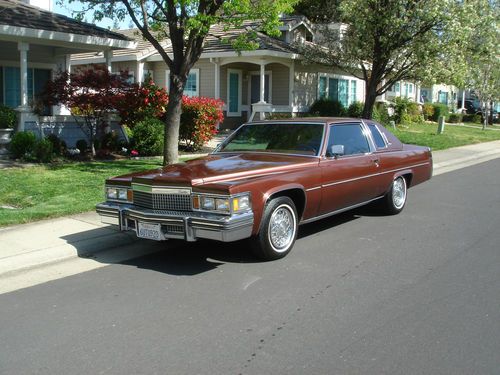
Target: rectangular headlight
241,203
207,203
117,193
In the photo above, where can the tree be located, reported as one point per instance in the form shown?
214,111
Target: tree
386,41
89,95
186,24
483,55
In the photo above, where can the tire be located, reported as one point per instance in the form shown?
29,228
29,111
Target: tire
395,199
278,230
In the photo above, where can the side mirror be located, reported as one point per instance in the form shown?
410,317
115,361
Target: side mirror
336,151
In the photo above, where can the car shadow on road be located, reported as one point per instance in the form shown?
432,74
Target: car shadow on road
176,257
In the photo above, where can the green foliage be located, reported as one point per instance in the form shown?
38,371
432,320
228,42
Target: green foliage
440,109
327,107
148,137
355,109
82,145
58,145
22,145
43,151
7,117
406,111
428,111
381,113
455,118
199,120
474,118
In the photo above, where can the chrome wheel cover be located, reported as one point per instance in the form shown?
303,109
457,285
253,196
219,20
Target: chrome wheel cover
399,192
282,227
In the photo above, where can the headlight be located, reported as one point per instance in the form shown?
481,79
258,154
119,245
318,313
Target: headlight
222,204
241,203
121,194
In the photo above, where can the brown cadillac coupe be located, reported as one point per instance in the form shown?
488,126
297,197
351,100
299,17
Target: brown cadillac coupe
265,180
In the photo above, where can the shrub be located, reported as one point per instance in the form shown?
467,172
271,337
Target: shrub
475,118
199,120
440,109
58,145
428,111
455,118
148,136
355,109
406,111
43,151
111,142
327,107
381,113
82,145
7,117
22,145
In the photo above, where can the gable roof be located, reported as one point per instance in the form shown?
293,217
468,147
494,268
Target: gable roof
18,14
20,22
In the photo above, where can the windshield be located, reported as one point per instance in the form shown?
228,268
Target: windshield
291,138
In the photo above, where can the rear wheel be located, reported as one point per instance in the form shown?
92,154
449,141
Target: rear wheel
395,199
278,230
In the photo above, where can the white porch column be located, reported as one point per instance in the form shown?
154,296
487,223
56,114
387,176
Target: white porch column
216,63
139,74
291,86
24,110
417,93
108,55
463,100
262,82
23,49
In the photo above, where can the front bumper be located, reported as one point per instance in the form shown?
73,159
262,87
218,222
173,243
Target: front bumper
188,226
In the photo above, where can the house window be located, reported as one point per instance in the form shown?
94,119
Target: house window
192,87
234,83
443,97
10,85
395,87
337,88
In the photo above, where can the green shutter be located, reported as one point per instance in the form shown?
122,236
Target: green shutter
12,81
342,92
333,92
322,87
234,92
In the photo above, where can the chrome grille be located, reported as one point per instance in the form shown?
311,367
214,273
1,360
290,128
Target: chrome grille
173,202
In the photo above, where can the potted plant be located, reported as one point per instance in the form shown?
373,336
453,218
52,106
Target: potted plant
8,120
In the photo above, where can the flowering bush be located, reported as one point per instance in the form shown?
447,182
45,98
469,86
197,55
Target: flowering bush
199,120
141,102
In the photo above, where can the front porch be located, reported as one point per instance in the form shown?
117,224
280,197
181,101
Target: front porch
255,88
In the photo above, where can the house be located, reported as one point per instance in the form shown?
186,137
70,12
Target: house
270,79
35,44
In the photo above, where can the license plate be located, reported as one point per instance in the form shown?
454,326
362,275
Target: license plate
149,231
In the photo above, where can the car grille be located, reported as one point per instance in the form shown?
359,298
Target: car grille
173,202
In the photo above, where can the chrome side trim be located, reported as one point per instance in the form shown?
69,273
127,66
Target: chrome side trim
338,211
314,188
373,175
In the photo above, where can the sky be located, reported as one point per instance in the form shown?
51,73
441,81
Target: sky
66,9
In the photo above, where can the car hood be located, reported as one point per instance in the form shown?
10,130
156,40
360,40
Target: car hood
217,168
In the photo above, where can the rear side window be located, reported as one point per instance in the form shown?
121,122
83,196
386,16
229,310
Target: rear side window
351,136
377,137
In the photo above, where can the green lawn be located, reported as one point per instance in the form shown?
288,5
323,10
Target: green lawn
453,135
44,191
49,191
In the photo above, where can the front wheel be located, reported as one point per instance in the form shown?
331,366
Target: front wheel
395,199
278,230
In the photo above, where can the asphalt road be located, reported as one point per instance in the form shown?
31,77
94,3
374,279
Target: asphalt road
416,293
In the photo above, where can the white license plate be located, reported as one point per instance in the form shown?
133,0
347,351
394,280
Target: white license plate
149,231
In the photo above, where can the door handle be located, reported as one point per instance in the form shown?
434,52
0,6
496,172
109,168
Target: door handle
376,162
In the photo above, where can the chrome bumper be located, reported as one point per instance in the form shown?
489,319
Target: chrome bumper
188,226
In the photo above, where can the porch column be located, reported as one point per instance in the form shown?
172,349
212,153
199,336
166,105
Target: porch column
139,74
108,55
216,63
417,93
24,110
291,86
262,82
463,100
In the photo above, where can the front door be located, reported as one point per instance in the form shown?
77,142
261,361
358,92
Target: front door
255,88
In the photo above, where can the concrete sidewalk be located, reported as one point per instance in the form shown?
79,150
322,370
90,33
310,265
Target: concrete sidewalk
88,244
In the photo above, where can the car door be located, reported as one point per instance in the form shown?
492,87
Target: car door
347,178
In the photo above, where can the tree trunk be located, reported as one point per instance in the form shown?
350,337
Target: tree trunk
172,124
370,97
